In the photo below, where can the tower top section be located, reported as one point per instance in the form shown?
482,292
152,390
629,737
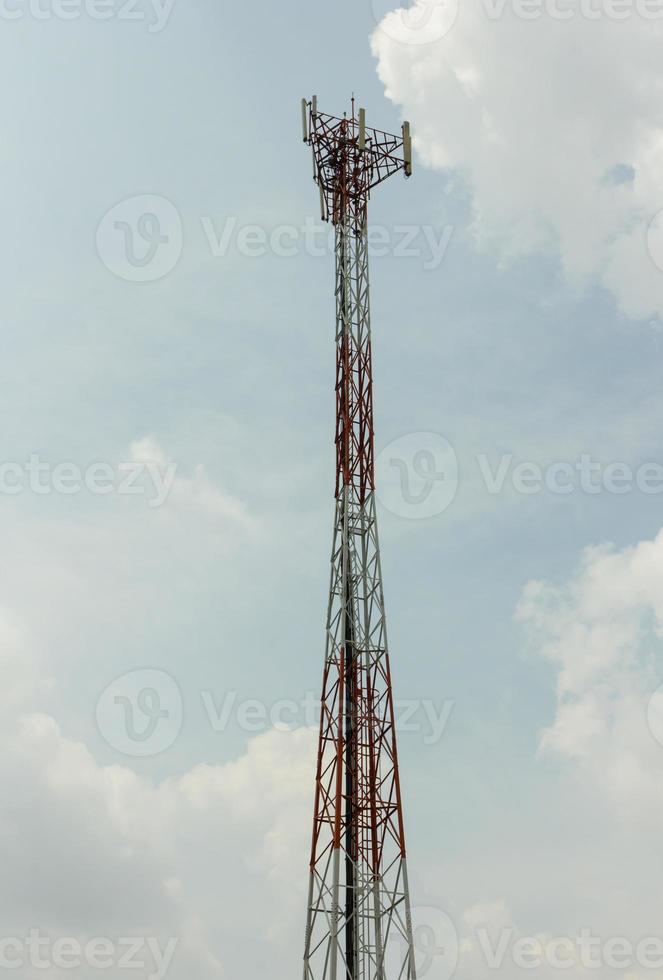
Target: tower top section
350,159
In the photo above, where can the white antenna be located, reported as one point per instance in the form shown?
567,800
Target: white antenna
362,130
407,149
314,105
305,119
323,203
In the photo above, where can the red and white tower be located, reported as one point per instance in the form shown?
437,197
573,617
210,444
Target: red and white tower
359,924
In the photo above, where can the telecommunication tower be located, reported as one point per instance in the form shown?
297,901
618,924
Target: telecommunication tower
359,925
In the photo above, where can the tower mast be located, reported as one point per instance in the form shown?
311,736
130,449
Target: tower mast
359,899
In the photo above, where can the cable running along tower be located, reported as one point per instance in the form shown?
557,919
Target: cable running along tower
359,924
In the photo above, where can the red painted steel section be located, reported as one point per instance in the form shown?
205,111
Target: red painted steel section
372,794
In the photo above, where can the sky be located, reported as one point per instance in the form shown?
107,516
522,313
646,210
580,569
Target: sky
166,477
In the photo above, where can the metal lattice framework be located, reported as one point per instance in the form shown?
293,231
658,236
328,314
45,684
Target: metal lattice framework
359,905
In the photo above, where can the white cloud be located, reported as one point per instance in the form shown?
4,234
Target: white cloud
23,680
492,945
554,123
100,851
195,494
603,632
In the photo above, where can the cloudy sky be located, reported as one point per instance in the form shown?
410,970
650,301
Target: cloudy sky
166,477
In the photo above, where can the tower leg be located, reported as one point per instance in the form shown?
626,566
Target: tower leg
359,894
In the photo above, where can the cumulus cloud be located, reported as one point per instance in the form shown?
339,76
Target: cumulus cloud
93,851
603,633
555,124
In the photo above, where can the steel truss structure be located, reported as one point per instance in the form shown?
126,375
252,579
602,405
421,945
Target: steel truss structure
359,924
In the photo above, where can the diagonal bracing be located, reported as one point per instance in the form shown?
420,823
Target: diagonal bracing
358,904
